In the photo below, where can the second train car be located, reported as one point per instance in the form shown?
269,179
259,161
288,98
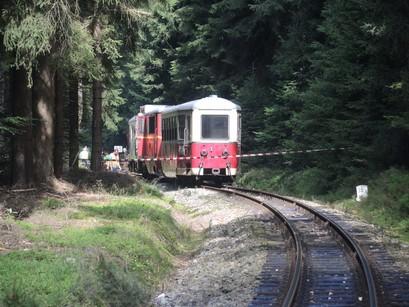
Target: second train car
199,139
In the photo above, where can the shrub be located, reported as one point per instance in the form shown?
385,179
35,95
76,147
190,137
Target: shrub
262,179
309,182
388,201
390,191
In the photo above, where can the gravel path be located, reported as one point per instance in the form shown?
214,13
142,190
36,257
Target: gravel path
224,272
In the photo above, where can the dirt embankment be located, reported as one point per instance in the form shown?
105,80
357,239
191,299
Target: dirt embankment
80,185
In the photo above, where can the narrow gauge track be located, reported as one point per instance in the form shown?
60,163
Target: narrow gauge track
393,282
334,269
266,294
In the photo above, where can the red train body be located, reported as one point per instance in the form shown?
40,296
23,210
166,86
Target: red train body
198,139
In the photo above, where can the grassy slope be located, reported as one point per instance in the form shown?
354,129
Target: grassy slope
125,247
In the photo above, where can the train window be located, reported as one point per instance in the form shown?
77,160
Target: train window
145,130
181,126
139,130
174,129
169,137
151,125
163,129
189,137
239,127
170,129
167,129
215,126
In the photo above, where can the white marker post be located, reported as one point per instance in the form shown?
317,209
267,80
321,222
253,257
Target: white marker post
361,192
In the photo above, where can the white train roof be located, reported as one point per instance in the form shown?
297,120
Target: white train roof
212,102
152,108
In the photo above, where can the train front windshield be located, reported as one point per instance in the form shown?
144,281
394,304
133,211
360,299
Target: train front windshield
215,127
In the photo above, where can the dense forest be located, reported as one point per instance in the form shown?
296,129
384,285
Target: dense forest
308,74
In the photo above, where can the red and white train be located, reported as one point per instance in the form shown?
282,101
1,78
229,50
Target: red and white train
198,139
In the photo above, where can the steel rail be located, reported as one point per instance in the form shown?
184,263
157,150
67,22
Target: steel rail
353,245
297,265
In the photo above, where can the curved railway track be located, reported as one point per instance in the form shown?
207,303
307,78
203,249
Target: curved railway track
327,266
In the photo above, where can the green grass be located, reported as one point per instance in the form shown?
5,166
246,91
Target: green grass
387,205
140,187
36,278
117,262
128,209
52,203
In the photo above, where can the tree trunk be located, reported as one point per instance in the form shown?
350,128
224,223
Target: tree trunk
74,121
59,126
6,142
22,147
96,125
43,111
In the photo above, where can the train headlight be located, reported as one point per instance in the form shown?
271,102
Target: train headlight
203,153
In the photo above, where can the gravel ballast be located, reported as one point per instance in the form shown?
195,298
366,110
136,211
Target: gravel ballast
225,270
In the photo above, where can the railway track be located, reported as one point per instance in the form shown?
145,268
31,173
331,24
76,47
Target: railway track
327,266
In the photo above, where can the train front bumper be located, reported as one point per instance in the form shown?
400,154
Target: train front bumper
214,171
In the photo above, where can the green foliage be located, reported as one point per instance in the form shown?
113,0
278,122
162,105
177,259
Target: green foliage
29,38
306,183
313,181
12,125
80,57
389,193
111,103
84,39
253,97
261,179
328,184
